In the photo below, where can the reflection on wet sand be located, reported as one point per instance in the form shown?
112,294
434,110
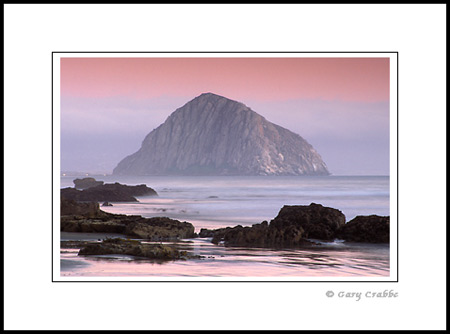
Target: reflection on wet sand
218,261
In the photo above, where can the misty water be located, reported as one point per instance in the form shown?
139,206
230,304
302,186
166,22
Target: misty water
214,202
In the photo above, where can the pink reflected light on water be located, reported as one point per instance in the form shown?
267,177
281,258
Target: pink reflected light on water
220,261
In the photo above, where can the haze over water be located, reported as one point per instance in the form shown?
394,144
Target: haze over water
213,202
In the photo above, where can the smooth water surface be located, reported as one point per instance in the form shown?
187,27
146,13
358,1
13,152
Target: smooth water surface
329,260
213,202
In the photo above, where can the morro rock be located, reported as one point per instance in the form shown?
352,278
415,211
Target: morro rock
213,135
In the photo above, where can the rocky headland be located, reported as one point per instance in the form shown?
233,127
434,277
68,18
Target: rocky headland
88,218
109,192
213,135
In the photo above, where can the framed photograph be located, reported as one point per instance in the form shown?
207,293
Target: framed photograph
225,166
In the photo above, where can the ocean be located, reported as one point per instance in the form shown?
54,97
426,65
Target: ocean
214,202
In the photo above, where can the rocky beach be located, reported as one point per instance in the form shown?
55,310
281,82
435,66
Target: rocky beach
295,227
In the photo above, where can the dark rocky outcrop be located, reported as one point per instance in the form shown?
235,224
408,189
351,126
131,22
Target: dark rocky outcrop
85,209
292,227
87,182
213,135
297,225
158,228
261,235
92,225
109,192
118,246
371,229
317,221
88,218
207,233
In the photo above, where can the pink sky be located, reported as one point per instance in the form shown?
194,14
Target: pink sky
345,79
340,105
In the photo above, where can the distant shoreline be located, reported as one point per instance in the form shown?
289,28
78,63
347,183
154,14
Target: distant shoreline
109,174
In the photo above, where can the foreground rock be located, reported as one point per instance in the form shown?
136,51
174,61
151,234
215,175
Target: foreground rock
296,225
87,182
88,218
118,246
109,192
292,227
158,228
261,235
371,229
317,221
85,209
